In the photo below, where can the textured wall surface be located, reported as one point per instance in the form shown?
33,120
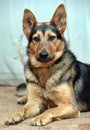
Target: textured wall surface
12,39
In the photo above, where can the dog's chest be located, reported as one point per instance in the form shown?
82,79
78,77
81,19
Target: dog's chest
42,76
48,77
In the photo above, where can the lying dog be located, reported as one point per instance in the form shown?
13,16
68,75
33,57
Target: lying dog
58,85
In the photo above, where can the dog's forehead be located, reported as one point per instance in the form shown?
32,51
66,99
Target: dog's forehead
44,27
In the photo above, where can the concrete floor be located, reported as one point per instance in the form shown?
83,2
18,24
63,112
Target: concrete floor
8,105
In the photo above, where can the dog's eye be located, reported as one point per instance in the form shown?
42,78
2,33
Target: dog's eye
51,38
36,39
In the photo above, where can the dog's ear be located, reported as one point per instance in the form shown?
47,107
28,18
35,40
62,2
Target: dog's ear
29,21
59,18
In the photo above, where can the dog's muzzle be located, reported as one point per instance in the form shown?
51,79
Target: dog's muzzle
44,57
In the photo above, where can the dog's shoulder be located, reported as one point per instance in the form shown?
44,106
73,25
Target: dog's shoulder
28,72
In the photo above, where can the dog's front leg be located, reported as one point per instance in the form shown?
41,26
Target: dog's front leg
63,97
62,111
35,104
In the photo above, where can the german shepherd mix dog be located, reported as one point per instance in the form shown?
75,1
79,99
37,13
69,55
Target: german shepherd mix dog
58,86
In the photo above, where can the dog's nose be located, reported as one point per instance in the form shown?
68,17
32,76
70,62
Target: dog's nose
43,54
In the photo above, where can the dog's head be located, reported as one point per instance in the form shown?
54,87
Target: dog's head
46,43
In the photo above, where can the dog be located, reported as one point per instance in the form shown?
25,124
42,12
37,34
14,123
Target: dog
58,85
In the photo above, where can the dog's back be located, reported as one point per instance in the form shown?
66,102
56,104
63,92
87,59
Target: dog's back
82,85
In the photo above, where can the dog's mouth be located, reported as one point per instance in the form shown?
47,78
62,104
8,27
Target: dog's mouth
45,59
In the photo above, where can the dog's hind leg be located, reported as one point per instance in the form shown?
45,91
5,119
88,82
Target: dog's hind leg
22,100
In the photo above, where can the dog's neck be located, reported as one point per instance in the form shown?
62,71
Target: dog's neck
44,73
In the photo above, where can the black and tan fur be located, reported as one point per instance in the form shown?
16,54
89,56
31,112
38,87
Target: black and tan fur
58,85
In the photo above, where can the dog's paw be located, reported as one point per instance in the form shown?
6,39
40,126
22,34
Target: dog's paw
22,100
16,117
40,121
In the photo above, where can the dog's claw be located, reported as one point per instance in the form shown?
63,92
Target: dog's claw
10,123
13,120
